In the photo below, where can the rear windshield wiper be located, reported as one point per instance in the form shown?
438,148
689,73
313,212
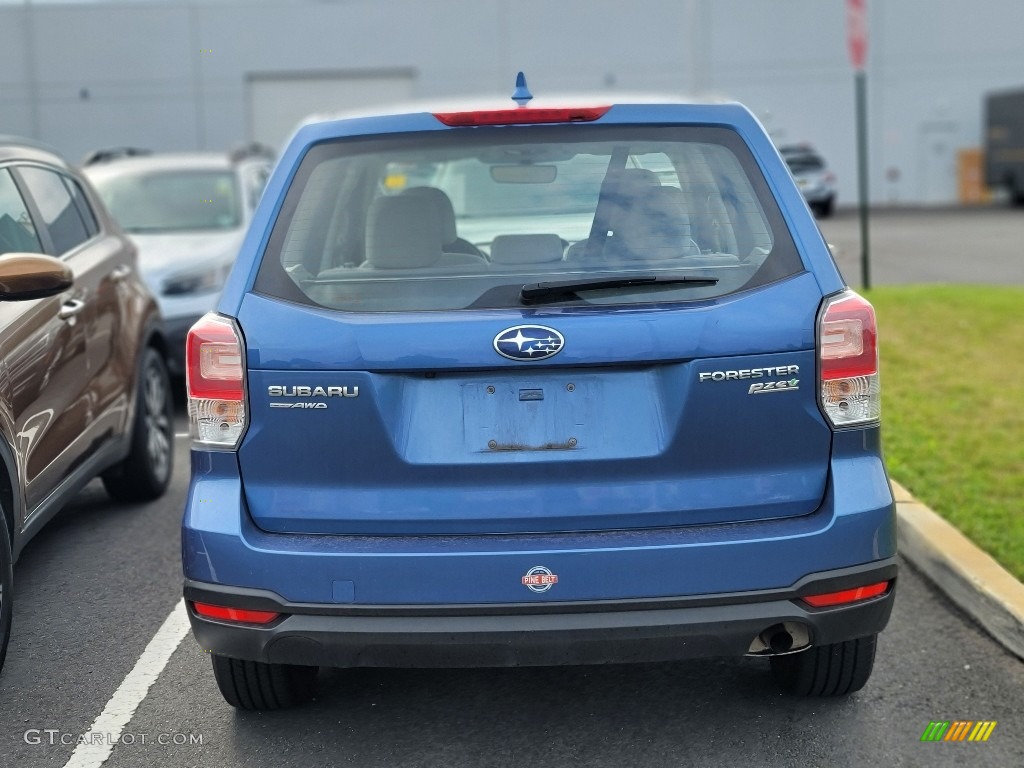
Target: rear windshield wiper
533,292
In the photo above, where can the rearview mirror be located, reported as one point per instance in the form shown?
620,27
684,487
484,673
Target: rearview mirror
25,276
524,174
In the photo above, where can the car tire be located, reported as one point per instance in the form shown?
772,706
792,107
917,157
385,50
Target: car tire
827,670
255,685
145,474
824,209
6,587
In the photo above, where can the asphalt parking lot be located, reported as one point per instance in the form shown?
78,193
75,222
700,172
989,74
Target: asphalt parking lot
953,245
99,581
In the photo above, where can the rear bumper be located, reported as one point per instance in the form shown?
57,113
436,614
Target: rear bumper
620,595
221,545
593,632
819,195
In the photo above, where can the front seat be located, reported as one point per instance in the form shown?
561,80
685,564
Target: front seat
402,232
619,197
405,232
450,240
656,228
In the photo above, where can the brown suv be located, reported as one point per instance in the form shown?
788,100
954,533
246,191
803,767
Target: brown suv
84,389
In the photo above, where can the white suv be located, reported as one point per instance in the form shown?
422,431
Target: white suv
187,213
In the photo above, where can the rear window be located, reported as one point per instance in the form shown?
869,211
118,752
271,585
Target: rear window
464,218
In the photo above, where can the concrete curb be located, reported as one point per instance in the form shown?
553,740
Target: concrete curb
968,576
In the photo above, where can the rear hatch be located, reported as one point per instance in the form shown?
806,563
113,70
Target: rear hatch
416,425
397,389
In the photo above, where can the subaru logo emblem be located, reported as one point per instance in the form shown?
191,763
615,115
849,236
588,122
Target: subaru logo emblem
528,342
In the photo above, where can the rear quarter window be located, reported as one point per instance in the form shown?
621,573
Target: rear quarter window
60,214
84,207
463,218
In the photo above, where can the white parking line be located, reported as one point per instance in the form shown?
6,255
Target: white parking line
95,746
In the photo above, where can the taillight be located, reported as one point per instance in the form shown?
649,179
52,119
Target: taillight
215,374
522,116
848,361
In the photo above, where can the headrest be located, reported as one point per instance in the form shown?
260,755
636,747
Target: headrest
638,178
622,195
402,232
657,227
526,249
445,211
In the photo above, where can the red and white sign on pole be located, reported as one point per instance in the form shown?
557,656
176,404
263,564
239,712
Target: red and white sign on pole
857,32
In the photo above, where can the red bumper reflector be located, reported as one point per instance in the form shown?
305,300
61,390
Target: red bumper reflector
234,614
522,116
846,595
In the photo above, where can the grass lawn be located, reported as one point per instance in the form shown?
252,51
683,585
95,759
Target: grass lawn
952,366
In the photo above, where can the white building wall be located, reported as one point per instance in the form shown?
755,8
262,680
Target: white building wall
173,74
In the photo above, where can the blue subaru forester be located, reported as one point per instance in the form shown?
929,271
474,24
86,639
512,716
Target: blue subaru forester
535,385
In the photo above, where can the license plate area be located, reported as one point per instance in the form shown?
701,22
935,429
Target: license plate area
553,414
500,417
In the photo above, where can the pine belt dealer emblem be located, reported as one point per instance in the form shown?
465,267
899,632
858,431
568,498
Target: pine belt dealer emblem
539,579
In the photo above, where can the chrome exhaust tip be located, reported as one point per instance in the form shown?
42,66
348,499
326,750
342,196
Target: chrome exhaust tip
780,639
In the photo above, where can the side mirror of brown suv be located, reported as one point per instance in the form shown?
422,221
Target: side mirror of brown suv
25,276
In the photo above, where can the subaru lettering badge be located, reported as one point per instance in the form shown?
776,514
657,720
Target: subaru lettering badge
528,342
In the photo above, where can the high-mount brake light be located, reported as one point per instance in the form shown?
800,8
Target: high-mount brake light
846,596
215,374
522,116
848,361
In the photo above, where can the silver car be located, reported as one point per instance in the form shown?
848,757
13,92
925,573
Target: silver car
187,214
815,179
